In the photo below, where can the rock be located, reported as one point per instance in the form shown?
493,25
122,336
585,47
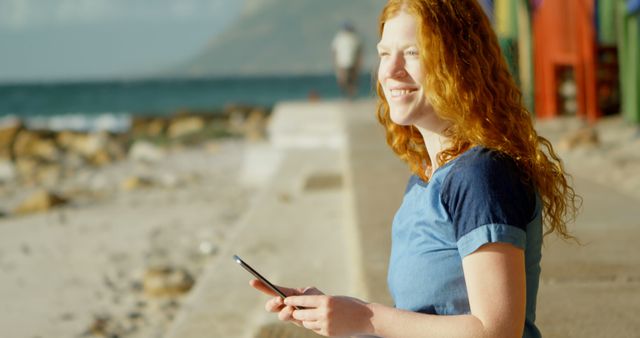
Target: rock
27,169
8,131
207,248
73,161
40,201
46,150
585,137
100,158
168,180
166,281
105,325
184,126
136,182
145,152
8,172
98,149
149,126
156,127
66,138
236,122
48,175
88,145
255,125
32,144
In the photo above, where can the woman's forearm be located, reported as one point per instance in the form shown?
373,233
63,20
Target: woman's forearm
390,322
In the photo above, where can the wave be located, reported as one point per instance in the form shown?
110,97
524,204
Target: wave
110,122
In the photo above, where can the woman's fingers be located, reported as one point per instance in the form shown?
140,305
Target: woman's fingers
285,313
305,315
274,304
306,301
311,290
312,325
260,286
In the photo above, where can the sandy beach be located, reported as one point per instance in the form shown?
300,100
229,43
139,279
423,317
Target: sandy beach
81,269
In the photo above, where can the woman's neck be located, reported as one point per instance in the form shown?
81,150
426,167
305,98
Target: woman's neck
435,141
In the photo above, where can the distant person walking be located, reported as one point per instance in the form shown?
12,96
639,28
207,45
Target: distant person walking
347,54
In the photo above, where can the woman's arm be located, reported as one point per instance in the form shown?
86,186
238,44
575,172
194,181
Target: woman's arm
495,278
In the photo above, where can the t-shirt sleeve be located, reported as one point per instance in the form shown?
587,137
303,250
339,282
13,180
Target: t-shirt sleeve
487,201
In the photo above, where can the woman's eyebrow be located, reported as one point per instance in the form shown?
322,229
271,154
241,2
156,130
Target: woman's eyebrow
382,46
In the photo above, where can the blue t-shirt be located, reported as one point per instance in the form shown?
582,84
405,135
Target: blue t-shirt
474,199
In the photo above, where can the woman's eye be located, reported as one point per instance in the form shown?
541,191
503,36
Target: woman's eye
381,54
412,52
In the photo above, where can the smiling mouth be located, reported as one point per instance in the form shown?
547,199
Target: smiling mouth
401,92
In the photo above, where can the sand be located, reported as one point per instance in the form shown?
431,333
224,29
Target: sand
78,270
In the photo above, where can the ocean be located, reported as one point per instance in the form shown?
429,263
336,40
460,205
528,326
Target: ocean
109,105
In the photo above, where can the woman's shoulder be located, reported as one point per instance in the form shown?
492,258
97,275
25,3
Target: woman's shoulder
481,163
485,186
490,178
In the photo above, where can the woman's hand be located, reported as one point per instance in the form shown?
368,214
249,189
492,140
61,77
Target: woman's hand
331,315
276,304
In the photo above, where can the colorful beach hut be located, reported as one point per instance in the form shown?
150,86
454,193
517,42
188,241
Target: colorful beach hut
565,39
628,20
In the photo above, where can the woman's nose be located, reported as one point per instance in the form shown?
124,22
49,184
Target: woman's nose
396,67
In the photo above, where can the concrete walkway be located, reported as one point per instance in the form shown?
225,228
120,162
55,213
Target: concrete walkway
324,219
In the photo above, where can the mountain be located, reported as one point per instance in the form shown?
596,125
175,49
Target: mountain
285,37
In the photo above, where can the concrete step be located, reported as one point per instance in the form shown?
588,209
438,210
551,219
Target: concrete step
296,234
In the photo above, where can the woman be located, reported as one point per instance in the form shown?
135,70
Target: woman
466,241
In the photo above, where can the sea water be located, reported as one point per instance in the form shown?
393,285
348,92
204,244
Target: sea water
109,105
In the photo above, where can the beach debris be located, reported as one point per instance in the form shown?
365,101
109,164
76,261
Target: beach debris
584,137
145,151
323,181
207,248
105,325
39,201
67,316
284,197
26,249
166,281
135,183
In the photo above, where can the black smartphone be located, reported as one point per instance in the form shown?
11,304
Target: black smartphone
258,276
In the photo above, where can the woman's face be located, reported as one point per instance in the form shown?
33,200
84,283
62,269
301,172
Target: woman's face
401,75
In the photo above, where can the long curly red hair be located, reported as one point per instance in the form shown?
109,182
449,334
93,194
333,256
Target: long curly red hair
469,85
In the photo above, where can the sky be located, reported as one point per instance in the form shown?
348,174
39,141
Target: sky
67,40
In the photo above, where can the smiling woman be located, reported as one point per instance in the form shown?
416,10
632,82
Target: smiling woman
401,75
467,238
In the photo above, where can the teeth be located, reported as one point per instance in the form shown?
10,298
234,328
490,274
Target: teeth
400,92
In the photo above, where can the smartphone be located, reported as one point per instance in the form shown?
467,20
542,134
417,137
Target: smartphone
258,276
